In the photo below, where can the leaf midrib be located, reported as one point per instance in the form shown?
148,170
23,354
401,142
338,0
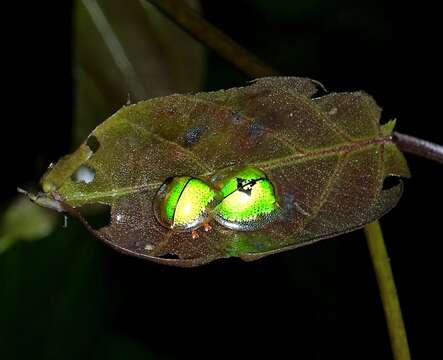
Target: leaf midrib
264,165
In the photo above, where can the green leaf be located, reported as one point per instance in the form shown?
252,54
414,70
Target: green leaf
388,128
24,221
327,157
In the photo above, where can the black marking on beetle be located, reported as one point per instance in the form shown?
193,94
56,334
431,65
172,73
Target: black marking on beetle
246,186
256,129
193,135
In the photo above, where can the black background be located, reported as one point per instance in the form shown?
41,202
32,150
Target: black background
71,297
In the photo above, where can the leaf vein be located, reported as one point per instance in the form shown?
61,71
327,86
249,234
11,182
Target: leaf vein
270,132
188,153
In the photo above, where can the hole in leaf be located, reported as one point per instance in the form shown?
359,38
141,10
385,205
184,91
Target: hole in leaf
170,256
83,174
97,215
390,182
93,143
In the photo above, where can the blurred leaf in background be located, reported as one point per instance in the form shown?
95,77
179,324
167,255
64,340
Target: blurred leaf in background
128,50
55,301
24,221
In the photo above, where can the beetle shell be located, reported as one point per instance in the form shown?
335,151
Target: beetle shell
182,203
249,200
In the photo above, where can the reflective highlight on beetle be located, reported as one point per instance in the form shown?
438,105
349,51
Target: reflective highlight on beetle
249,200
182,203
242,200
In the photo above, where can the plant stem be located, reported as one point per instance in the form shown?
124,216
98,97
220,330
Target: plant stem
228,49
388,292
419,147
190,21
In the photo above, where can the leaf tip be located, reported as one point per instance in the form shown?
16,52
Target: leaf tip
43,200
388,128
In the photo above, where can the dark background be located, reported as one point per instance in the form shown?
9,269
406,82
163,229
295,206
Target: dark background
69,296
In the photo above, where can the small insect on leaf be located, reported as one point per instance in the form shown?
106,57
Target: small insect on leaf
270,166
182,203
249,200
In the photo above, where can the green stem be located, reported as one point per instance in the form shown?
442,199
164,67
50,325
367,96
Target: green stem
388,292
194,24
203,31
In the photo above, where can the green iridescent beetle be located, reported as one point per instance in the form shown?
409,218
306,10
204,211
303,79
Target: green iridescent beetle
183,203
249,200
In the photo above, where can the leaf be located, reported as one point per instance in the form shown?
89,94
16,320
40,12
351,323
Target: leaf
23,221
327,157
130,51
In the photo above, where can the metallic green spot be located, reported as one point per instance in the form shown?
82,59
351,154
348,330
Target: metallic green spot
175,190
249,200
182,202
